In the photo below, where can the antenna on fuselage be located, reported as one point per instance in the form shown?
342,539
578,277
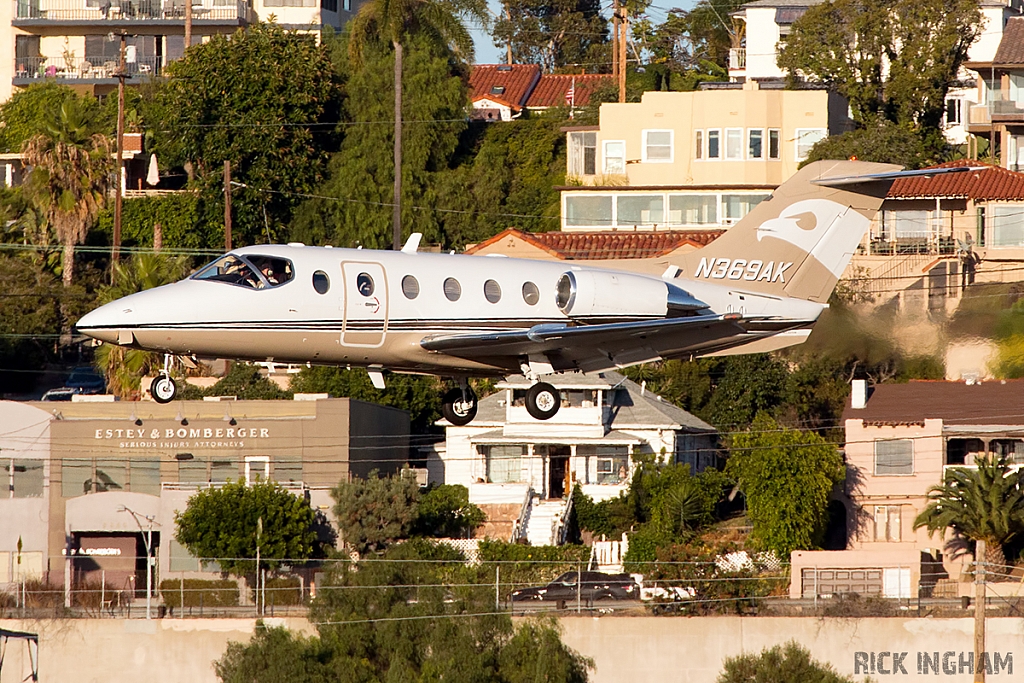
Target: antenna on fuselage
412,244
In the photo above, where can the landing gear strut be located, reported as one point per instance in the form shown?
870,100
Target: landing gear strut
459,405
164,388
542,401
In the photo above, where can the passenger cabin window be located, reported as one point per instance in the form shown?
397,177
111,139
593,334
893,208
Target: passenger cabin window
255,272
410,287
531,295
321,283
364,283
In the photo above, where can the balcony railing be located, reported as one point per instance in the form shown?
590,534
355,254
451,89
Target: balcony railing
737,58
97,68
120,11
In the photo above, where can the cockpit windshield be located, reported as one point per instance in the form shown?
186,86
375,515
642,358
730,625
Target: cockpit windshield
255,272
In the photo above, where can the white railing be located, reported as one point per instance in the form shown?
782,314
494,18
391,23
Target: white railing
737,58
519,528
560,526
201,485
121,11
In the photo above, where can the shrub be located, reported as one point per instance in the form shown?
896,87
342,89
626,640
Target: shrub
199,593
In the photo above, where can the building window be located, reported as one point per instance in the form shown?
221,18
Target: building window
329,5
582,153
807,138
640,209
1005,225
504,463
894,457
110,475
698,144
887,523
288,469
906,224
755,143
76,477
24,478
588,210
615,157
611,463
954,109
736,206
774,143
733,144
145,476
657,146
692,209
714,144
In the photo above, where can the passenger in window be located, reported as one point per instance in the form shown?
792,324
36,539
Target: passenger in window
623,474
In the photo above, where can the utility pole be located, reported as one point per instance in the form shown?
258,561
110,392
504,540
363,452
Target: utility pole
396,215
979,611
188,26
227,205
622,55
615,40
115,253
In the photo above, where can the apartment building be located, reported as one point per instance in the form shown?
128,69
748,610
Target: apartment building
692,160
77,42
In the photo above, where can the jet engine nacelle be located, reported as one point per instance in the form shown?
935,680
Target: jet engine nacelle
586,293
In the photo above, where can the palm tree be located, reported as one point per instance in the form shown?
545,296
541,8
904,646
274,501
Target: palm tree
980,504
393,21
71,173
123,367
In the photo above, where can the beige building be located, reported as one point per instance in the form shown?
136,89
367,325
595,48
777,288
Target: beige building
76,473
77,42
684,160
900,439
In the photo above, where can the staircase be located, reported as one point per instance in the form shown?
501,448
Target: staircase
542,521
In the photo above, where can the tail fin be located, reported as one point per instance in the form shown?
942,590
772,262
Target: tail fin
799,242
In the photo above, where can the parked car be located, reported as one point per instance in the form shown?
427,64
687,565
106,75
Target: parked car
594,586
87,380
60,394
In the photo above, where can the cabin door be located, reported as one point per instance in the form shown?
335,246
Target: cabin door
365,304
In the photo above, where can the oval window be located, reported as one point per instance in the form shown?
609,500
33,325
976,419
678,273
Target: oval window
531,294
492,291
410,287
321,283
452,289
364,283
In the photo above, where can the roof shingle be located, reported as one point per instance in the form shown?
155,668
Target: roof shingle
551,89
514,81
1011,45
992,184
956,403
573,246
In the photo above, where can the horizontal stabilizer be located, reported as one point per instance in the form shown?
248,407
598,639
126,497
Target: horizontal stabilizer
894,175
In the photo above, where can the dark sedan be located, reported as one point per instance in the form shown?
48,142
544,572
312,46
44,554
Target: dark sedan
594,586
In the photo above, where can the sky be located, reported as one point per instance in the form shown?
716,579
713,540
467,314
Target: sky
488,53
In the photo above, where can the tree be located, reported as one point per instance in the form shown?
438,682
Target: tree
553,33
29,315
984,503
788,663
275,655
245,381
373,513
29,110
70,176
787,477
879,140
444,511
225,524
122,366
392,21
265,99
894,60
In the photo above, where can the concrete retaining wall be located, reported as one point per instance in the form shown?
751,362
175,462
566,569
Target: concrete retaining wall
687,650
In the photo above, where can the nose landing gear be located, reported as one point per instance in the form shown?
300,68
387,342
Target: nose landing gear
164,389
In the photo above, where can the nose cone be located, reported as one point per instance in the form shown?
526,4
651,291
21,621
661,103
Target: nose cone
107,322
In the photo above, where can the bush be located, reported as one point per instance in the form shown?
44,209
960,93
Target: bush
525,565
283,591
199,593
781,664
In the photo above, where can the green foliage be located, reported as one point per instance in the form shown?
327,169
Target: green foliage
30,313
697,34
223,524
553,33
281,591
787,476
245,382
275,655
259,99
536,653
880,141
444,511
29,109
178,214
986,310
419,395
373,513
199,593
527,565
790,663
985,503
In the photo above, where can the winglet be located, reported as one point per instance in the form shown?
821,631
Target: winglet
413,243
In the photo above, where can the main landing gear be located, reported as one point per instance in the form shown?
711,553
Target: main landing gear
459,405
542,401
164,389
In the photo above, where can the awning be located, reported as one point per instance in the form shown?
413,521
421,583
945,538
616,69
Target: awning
612,438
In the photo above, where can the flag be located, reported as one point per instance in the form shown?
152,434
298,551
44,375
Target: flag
570,97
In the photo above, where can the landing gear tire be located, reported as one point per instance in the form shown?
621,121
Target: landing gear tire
542,401
457,408
164,389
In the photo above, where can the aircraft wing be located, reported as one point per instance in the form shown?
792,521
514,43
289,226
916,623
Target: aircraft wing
591,347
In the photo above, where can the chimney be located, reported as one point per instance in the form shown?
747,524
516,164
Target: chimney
859,397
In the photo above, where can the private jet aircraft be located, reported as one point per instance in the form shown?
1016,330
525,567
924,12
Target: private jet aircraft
758,287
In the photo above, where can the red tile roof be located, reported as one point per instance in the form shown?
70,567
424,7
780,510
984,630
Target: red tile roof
517,81
572,246
551,89
992,184
956,403
1011,44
